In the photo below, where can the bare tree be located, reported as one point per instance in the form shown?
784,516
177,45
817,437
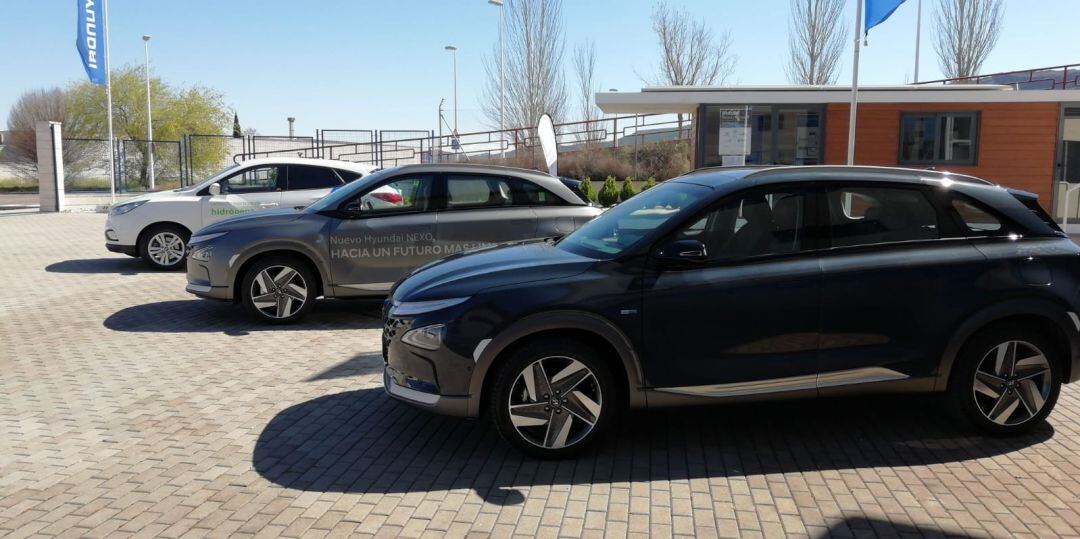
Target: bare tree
691,54
815,41
965,31
585,72
533,62
45,104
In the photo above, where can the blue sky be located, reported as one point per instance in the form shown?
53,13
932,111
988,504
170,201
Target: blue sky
381,64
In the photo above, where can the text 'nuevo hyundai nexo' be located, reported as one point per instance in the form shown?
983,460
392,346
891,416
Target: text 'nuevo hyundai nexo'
750,283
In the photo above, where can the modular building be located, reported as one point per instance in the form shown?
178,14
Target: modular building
1028,139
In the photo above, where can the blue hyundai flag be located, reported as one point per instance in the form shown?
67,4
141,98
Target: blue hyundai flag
91,40
877,11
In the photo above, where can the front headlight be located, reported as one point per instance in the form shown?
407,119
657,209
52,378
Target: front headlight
202,255
201,238
427,337
410,308
121,209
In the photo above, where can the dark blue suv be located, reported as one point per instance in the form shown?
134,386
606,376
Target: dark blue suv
746,284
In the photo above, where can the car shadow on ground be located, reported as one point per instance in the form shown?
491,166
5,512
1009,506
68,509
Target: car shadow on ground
364,441
209,316
118,266
365,363
873,527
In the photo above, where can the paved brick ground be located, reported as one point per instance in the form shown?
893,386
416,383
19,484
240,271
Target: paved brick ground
128,407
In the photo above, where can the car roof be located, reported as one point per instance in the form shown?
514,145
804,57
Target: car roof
333,163
718,177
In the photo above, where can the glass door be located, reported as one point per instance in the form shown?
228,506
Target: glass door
735,135
1067,184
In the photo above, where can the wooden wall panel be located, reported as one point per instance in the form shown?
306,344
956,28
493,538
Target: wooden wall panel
1017,141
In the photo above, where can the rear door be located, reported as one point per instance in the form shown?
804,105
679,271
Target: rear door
480,210
250,189
394,233
554,216
308,183
897,280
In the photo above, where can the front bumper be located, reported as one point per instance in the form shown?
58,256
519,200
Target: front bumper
440,404
200,282
436,380
130,250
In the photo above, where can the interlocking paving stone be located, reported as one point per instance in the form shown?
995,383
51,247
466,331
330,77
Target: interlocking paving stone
128,407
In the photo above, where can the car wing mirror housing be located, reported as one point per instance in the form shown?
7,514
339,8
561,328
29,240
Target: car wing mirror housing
681,252
214,189
353,208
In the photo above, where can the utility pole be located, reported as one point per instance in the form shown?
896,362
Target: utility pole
453,52
149,121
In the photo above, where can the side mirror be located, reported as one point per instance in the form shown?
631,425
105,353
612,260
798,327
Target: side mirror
353,207
681,251
214,189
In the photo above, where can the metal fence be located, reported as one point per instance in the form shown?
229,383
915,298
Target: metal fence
197,156
1060,77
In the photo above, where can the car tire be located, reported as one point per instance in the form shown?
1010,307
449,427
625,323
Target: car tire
1006,380
164,247
278,289
547,419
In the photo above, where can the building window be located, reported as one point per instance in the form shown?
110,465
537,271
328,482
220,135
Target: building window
938,138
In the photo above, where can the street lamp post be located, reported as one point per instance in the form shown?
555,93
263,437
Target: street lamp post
149,122
502,83
453,51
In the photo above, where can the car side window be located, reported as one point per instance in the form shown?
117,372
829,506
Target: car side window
475,191
401,194
527,193
310,177
977,220
348,175
752,225
870,215
253,180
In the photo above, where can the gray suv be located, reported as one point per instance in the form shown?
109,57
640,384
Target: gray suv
362,237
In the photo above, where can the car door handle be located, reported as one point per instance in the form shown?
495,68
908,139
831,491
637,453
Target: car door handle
267,204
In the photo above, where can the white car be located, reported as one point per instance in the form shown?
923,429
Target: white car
157,226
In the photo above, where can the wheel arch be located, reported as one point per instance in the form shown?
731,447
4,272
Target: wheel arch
587,327
253,258
1046,317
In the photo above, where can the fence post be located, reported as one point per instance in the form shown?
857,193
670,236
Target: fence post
50,166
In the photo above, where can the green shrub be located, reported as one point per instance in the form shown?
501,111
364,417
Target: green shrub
651,182
609,193
627,189
587,189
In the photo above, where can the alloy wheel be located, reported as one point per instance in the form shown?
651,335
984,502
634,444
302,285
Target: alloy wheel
555,402
165,248
279,291
1012,383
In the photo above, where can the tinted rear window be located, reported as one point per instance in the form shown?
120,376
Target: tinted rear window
309,177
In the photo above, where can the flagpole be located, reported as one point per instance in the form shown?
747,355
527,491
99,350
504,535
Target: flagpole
918,34
108,109
854,84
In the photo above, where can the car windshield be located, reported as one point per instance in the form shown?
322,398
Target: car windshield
345,192
623,226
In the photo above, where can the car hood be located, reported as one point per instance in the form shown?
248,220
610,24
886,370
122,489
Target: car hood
471,272
157,195
254,219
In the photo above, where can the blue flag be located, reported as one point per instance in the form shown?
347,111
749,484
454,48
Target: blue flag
91,40
877,11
